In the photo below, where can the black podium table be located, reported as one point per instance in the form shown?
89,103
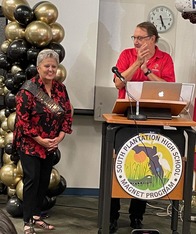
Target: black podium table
113,123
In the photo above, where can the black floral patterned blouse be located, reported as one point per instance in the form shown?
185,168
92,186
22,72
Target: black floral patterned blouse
34,118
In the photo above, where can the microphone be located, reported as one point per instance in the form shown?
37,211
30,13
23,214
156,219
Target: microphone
130,115
118,74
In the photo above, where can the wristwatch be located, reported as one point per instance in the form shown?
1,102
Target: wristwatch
148,72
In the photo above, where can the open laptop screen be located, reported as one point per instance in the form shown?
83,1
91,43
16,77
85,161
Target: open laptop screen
161,90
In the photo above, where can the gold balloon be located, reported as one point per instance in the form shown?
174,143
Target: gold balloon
2,132
2,79
8,7
38,33
19,190
5,45
5,90
6,159
2,115
58,32
8,175
11,191
14,31
8,138
46,12
2,91
54,179
11,121
61,73
4,125
2,142
19,169
15,69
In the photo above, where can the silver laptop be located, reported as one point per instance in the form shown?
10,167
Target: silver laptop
161,90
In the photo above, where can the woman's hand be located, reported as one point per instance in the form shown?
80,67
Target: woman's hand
47,143
50,144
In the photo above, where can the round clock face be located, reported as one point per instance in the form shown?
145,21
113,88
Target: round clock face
162,17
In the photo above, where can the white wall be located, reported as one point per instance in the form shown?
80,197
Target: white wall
80,154
185,53
92,55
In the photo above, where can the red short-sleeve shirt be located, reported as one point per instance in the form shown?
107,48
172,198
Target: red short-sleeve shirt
161,64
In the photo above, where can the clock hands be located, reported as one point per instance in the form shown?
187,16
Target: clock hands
161,18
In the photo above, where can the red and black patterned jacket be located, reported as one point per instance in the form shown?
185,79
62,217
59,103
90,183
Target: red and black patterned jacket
35,119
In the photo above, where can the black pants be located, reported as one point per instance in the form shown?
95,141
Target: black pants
36,178
136,210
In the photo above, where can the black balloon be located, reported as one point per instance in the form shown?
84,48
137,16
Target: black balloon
4,62
9,83
17,50
31,71
57,156
48,203
3,188
52,202
14,157
23,15
59,189
57,47
21,63
19,79
32,55
10,101
14,207
3,71
7,112
8,148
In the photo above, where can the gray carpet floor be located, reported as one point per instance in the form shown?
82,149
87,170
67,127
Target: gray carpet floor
78,215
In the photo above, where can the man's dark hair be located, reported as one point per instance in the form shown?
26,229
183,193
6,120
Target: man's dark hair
150,28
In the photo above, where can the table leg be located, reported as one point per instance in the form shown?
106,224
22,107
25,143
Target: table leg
188,181
175,213
106,179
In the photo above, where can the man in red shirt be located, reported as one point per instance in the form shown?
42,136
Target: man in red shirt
144,62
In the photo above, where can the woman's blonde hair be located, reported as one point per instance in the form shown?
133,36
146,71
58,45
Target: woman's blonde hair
47,53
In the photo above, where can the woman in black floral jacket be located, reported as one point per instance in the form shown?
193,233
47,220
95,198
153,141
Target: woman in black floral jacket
43,118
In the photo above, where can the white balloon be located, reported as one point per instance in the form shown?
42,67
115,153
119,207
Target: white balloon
185,5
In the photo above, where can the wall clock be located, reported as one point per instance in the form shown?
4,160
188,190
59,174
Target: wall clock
162,17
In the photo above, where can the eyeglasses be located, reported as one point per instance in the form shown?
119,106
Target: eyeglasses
139,38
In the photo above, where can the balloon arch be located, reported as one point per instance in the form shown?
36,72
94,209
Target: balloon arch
28,31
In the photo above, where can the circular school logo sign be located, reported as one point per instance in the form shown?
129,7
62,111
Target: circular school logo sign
148,166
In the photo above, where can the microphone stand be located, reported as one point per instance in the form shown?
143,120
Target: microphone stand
137,115
130,115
